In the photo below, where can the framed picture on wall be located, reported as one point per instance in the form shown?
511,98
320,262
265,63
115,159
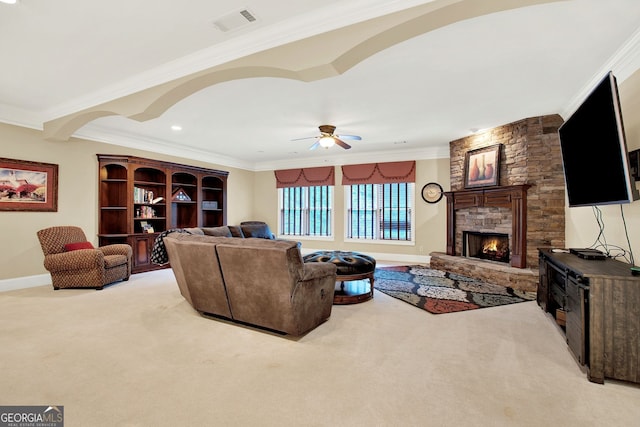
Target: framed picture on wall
482,167
28,186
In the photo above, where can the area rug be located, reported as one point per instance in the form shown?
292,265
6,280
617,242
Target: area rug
441,292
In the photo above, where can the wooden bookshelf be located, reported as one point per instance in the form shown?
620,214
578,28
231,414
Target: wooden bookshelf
136,203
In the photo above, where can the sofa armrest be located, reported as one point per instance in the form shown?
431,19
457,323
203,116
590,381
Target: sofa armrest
318,270
312,297
75,260
117,249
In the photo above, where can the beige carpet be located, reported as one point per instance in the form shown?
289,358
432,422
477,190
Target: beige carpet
136,354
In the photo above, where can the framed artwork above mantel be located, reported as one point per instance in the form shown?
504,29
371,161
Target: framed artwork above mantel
482,167
28,186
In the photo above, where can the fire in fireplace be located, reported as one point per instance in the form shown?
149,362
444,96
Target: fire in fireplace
489,246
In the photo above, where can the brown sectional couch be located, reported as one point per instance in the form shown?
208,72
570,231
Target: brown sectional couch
261,282
257,229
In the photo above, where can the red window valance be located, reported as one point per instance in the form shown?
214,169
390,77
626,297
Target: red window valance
305,177
379,173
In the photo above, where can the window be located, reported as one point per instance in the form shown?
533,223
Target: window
306,211
380,211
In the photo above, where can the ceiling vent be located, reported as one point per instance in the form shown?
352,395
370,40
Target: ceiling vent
234,20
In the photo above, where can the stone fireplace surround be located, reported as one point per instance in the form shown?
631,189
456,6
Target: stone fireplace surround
513,198
530,159
490,246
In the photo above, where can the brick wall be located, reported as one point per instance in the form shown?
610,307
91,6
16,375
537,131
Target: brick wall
530,155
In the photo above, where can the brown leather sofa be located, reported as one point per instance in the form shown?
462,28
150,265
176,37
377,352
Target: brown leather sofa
260,282
246,229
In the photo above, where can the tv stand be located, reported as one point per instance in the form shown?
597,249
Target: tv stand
596,303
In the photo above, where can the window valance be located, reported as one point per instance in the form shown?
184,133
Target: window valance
305,177
379,173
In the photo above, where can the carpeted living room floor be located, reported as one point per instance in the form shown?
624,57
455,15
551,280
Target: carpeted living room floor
136,354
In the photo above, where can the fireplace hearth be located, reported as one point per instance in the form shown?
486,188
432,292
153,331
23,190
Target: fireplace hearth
487,246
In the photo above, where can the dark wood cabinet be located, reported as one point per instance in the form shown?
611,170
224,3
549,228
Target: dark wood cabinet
142,245
597,303
140,198
214,199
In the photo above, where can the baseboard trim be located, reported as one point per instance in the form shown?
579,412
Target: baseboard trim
24,282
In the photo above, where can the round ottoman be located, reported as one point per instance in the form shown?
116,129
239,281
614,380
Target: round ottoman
350,267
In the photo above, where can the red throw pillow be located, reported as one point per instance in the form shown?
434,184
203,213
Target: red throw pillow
78,245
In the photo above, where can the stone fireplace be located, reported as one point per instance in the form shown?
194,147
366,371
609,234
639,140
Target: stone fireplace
527,204
488,211
488,246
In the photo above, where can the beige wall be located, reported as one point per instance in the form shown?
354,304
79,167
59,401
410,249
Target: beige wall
253,196
581,226
250,196
430,227
20,253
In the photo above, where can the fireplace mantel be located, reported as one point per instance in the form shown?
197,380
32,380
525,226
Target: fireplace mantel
512,196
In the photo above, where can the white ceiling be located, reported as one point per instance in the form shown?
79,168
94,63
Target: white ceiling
407,102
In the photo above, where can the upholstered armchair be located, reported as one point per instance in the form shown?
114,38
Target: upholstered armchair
73,262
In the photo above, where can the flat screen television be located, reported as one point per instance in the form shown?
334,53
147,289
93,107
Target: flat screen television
594,150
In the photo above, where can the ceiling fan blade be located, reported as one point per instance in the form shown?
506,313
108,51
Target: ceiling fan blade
352,137
306,137
314,146
341,143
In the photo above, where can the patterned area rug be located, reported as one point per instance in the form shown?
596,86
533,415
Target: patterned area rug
442,292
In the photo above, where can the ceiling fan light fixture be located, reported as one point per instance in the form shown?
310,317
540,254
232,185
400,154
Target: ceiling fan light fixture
328,138
8,1
326,142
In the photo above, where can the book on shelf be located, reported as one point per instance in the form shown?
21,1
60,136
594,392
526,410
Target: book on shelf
146,227
145,212
140,195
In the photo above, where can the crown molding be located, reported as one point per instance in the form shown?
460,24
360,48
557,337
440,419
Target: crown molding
303,26
626,60
298,28
107,136
98,134
426,153
623,63
19,117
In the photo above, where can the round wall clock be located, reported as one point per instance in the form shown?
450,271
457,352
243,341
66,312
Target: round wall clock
432,192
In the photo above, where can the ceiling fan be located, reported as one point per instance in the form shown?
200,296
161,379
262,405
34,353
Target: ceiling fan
328,138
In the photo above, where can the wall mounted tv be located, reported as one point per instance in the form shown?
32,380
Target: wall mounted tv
594,150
